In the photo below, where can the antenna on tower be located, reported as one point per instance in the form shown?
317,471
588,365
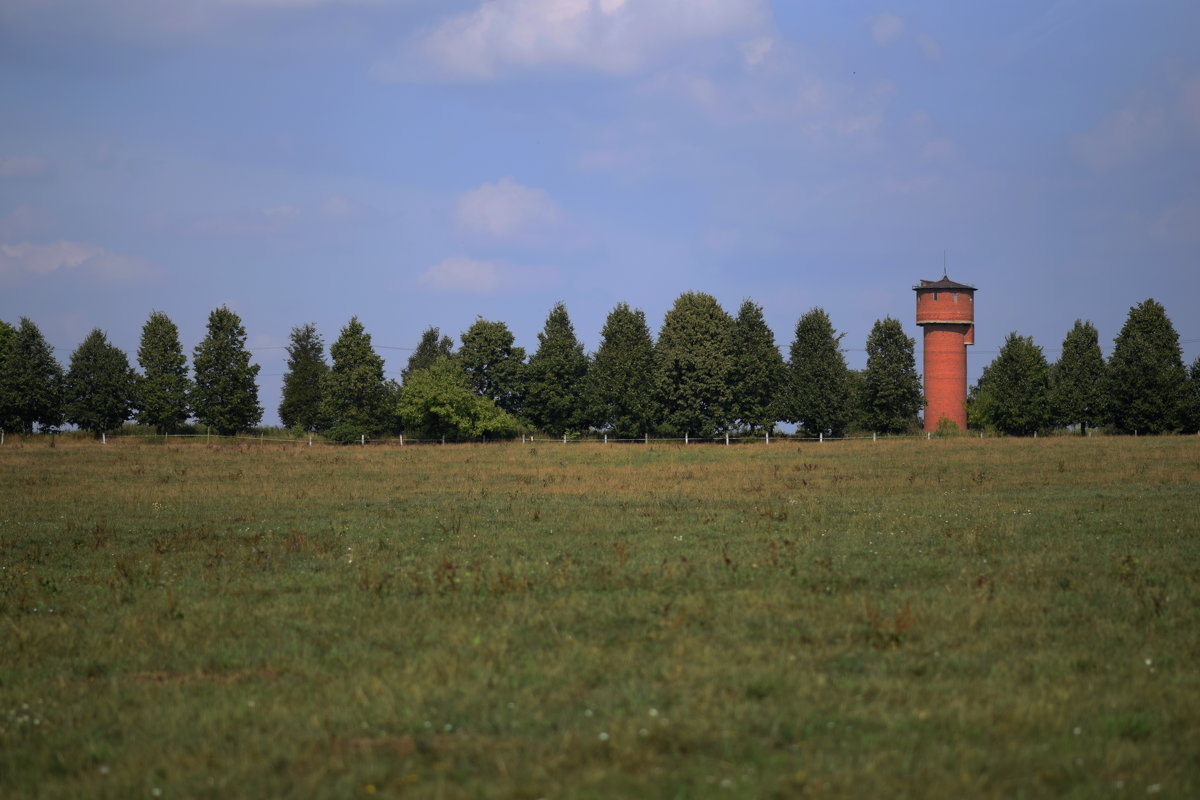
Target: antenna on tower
943,265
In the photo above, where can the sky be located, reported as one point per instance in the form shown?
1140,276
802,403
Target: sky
428,162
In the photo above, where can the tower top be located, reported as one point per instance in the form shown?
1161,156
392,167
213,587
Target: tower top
943,283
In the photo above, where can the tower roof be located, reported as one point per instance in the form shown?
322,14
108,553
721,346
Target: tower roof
943,283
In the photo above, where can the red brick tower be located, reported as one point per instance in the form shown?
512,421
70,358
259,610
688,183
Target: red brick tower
946,310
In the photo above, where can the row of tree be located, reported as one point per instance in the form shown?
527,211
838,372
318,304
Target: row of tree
707,373
1143,387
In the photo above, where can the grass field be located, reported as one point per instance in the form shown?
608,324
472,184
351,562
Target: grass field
948,618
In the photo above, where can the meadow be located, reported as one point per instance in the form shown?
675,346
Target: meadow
903,618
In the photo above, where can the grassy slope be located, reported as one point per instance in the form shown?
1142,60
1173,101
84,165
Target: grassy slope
944,618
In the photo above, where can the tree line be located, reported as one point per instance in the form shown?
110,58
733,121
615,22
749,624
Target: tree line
707,373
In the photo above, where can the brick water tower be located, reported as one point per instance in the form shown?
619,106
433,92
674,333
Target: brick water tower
946,310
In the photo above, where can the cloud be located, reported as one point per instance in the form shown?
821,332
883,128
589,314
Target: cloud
506,209
20,262
462,274
608,36
23,221
931,49
886,28
1123,137
22,166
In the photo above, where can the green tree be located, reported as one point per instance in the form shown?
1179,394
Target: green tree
32,381
1014,390
1077,379
438,401
1146,374
355,394
620,397
758,369
432,347
891,395
555,378
8,418
225,395
99,387
693,365
817,396
494,366
163,387
1192,398
303,384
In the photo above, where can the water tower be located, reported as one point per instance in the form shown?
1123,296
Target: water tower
946,310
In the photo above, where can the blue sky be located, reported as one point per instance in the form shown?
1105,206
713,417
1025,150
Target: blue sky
420,163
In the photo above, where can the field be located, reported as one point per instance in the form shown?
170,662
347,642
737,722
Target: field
913,618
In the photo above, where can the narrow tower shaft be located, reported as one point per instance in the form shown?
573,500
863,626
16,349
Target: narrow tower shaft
946,312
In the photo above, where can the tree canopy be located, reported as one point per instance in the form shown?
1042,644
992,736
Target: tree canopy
1146,374
1077,379
1013,395
99,386
693,365
555,377
304,382
31,383
494,366
621,398
438,401
355,393
163,387
891,391
816,395
432,347
758,371
225,396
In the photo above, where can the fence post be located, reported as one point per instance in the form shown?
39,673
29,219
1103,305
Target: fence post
402,440
362,439
685,437
606,438
647,435
103,437
928,436
872,436
443,439
768,437
564,438
310,438
727,440
821,436
522,438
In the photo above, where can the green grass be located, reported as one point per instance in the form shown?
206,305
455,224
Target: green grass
906,618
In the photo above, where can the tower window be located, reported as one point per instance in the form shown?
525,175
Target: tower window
956,297
935,296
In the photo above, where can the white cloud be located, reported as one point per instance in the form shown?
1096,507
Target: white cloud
463,274
886,28
1125,136
506,209
931,48
611,36
24,261
755,51
22,166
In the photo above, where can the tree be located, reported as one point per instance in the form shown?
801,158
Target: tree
555,377
817,396
355,394
31,382
693,364
438,401
430,349
494,366
892,388
758,369
303,384
1077,379
99,386
620,397
1013,394
8,418
225,396
162,390
1192,398
1146,374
